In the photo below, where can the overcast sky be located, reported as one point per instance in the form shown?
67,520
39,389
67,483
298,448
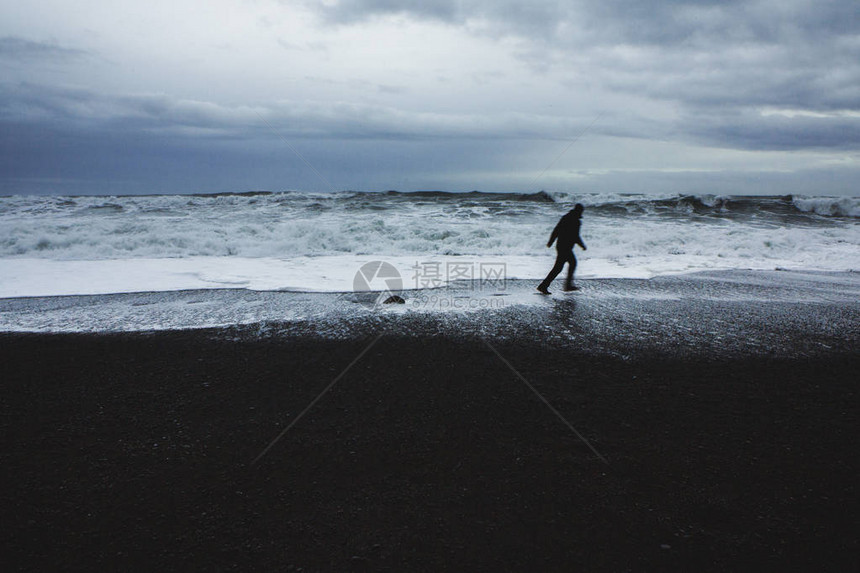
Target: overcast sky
113,96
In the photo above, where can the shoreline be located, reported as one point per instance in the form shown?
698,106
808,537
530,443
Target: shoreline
727,414
689,309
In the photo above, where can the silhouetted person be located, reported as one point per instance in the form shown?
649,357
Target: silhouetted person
567,233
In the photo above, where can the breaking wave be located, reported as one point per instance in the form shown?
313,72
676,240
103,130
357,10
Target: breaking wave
623,231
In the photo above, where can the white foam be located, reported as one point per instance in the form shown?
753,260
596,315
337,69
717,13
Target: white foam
829,206
23,277
100,245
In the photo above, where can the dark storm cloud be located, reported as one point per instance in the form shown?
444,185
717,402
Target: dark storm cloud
720,63
609,21
737,75
537,20
95,111
81,141
778,132
122,158
13,48
663,22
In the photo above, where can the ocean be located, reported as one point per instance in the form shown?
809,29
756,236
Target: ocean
317,242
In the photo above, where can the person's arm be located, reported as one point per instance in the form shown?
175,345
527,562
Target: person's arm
553,236
581,244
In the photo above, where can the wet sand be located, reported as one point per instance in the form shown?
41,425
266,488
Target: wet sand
729,435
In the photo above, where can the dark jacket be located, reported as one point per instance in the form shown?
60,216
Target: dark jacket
567,233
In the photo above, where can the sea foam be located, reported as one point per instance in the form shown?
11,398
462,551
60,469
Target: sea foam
307,241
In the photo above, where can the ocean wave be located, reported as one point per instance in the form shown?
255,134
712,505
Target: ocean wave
622,229
718,205
606,203
829,206
538,197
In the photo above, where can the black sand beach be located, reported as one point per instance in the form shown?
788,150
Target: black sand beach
728,424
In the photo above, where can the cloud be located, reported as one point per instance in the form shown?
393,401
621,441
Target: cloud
611,22
351,11
159,113
760,131
716,63
21,49
197,124
377,91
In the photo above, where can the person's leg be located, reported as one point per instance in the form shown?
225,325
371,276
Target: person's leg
571,267
556,269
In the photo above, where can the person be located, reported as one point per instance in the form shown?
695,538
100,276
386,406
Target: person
567,233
